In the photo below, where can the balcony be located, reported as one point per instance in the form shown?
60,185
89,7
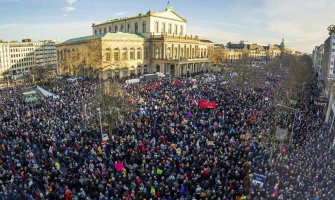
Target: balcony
166,36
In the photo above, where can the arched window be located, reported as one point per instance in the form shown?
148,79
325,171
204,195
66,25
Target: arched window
146,53
182,52
124,54
144,27
205,55
176,29
163,28
122,28
175,53
110,29
128,29
187,53
192,53
158,53
95,32
132,54
181,30
105,30
156,27
116,54
139,53
168,53
170,29
136,28
108,54
201,53
116,29
100,31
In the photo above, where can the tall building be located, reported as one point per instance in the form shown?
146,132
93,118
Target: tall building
146,43
21,57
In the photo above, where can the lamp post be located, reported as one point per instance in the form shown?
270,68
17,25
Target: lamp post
99,111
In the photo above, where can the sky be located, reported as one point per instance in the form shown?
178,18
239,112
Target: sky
302,23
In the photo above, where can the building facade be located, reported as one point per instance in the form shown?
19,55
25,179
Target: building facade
18,58
45,53
318,54
147,43
4,58
241,50
22,56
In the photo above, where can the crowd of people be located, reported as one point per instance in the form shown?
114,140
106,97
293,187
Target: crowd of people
169,148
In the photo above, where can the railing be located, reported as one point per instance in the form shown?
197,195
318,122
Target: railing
163,36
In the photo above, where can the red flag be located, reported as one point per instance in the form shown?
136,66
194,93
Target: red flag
207,104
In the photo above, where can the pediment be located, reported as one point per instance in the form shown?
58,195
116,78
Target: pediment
168,14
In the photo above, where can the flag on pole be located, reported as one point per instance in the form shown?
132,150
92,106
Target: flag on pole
276,190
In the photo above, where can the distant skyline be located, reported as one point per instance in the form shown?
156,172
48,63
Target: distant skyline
302,23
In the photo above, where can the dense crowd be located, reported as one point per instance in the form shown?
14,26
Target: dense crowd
169,148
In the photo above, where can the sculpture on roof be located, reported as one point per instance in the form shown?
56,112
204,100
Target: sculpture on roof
331,29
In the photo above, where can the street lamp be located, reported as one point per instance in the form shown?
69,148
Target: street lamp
99,111
295,112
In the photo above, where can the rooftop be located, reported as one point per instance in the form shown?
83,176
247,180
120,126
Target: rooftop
118,35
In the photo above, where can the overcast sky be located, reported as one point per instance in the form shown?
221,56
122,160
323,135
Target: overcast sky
303,23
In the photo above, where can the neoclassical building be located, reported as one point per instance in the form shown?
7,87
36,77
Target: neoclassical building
146,43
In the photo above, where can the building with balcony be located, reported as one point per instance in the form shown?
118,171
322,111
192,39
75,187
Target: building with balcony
146,43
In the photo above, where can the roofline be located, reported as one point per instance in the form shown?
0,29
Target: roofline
148,14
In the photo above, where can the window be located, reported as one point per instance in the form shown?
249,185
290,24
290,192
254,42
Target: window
128,29
139,53
170,29
100,32
168,54
124,54
132,54
156,27
122,28
175,52
187,53
144,27
158,53
136,28
181,30
95,32
108,54
163,28
116,29
192,52
116,54
110,29
181,52
176,29
105,30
